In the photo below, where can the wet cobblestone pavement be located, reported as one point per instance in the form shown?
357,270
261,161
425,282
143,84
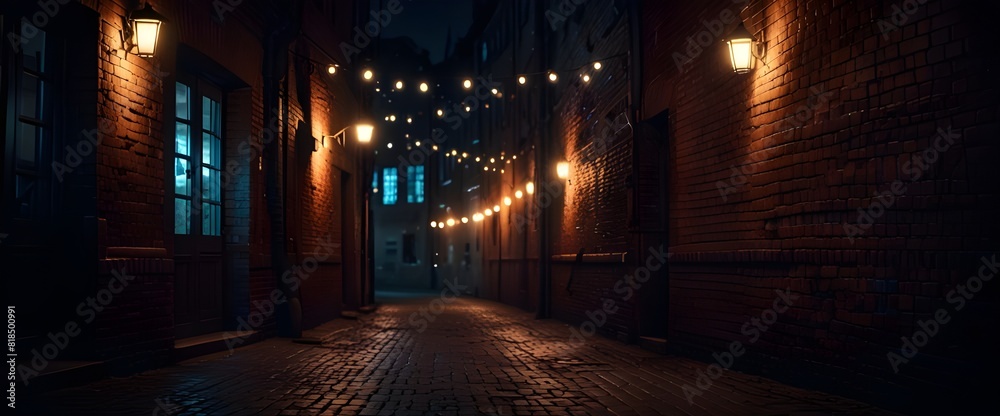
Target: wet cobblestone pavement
476,358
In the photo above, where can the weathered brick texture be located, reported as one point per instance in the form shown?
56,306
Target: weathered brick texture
768,167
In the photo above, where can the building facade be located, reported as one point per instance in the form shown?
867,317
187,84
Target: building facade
149,201
825,207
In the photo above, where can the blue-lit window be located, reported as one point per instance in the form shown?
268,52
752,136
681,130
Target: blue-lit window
415,184
389,186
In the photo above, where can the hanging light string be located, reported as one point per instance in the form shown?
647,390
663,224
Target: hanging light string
503,203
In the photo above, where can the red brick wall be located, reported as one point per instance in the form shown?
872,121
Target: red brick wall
866,105
593,209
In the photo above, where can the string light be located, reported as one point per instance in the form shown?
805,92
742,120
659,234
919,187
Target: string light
331,69
465,220
553,77
586,78
467,84
440,112
518,194
451,222
434,224
496,208
399,85
529,188
507,201
368,75
597,65
423,87
522,80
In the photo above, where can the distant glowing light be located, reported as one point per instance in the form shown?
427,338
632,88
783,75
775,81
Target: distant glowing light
465,220
521,80
507,201
399,85
467,84
368,74
529,188
518,194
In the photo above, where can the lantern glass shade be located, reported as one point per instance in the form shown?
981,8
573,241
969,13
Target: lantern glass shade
562,170
741,50
365,132
146,30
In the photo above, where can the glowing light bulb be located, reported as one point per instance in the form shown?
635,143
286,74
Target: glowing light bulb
521,80
496,208
423,87
597,65
368,74
434,224
553,77
507,201
518,194
529,188
465,220
467,84
331,69
399,85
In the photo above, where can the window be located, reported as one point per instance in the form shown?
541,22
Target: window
197,160
409,249
30,115
415,184
389,180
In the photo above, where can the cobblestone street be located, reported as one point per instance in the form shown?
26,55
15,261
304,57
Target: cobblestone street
476,357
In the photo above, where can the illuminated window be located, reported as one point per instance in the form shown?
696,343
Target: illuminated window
415,184
389,181
197,160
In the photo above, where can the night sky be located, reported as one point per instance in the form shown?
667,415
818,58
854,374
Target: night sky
427,23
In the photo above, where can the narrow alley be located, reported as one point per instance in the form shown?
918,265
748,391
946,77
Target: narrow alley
477,357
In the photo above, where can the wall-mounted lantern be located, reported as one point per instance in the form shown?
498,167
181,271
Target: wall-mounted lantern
363,131
144,25
562,170
743,49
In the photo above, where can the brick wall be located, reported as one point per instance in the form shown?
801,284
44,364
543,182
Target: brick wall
768,167
593,211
